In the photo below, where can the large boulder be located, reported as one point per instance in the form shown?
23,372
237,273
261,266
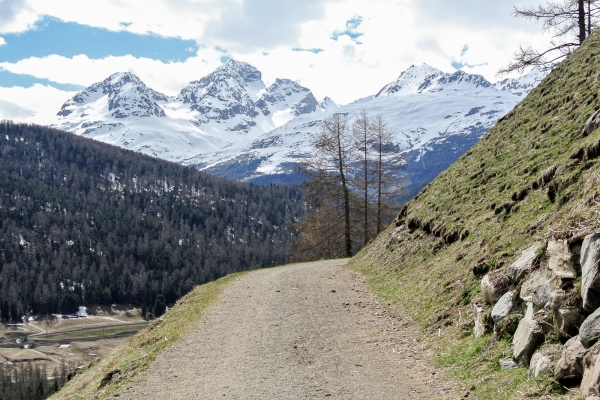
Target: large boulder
590,267
527,338
494,284
571,363
589,332
481,314
590,384
520,268
538,287
503,307
539,365
561,260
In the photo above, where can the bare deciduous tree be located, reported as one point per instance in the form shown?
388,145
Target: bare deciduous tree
570,22
388,162
328,167
352,186
362,134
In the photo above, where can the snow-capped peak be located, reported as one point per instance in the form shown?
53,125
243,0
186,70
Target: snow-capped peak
523,85
413,80
328,104
126,95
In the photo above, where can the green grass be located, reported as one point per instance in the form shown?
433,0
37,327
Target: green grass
98,332
533,174
135,355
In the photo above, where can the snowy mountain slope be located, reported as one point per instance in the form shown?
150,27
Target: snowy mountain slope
229,106
231,124
436,116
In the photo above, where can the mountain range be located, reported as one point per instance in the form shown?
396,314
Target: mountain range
231,124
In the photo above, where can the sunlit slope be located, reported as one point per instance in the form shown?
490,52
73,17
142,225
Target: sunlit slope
535,172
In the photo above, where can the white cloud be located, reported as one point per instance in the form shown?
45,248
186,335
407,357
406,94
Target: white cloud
36,104
2,41
396,34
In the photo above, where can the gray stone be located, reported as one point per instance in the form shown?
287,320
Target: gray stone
560,259
481,316
507,363
494,284
570,364
503,307
539,365
592,123
538,287
590,280
527,338
520,268
590,329
590,384
567,322
556,299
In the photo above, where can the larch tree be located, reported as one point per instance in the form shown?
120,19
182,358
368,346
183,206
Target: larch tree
362,135
328,167
388,181
569,21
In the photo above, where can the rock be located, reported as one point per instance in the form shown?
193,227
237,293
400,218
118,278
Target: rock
527,338
503,307
494,284
560,259
520,268
567,322
530,309
590,384
507,363
539,365
538,287
590,329
481,315
592,123
556,299
590,266
570,365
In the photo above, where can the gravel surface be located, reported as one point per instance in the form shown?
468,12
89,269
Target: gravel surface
301,331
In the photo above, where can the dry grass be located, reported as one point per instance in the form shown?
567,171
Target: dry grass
124,362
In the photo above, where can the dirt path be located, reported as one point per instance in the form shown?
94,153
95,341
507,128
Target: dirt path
301,331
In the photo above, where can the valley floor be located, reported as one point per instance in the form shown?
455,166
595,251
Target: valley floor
299,331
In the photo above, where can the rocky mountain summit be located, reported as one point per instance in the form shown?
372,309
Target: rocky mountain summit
231,124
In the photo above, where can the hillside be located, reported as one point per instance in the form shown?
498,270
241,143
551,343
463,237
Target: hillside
86,223
534,177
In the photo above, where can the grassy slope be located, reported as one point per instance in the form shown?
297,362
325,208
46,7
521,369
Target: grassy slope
533,173
135,355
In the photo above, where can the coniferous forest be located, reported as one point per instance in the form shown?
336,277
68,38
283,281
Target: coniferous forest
85,223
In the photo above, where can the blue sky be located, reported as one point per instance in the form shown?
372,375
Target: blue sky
343,49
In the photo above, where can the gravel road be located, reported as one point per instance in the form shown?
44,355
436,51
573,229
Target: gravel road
296,332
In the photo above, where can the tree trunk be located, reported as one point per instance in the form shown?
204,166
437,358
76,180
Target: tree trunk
379,182
366,193
582,32
589,17
347,237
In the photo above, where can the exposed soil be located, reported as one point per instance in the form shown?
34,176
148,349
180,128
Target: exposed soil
300,331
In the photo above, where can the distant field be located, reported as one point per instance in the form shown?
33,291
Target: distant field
87,338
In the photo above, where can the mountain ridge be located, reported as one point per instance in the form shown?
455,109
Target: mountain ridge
224,122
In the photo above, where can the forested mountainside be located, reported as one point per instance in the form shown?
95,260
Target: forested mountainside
516,216
83,222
